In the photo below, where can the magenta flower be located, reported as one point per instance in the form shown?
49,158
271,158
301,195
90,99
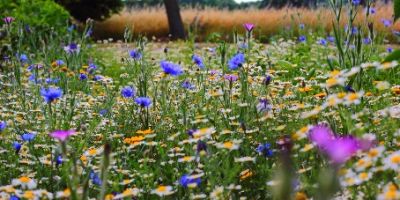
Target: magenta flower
8,20
338,149
62,135
248,26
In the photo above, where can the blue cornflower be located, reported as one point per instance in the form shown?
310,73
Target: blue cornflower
23,58
72,48
171,68
187,180
354,30
98,78
82,76
190,132
89,32
331,39
71,28
265,149
302,38
3,125
17,146
187,85
198,61
370,10
389,49
356,2
135,54
103,112
348,88
59,160
201,146
143,101
264,105
128,92
13,197
301,26
51,94
60,62
236,61
95,178
367,40
27,137
92,67
322,42
52,80
386,22
267,80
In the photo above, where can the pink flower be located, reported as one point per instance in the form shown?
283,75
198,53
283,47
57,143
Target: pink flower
248,26
62,135
321,135
338,149
8,20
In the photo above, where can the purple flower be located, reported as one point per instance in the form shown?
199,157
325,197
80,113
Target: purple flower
301,26
127,92
62,135
386,22
267,80
95,178
249,27
72,48
8,20
98,78
143,101
321,135
3,125
171,68
236,61
23,58
231,77
264,105
135,54
201,146
370,10
389,49
51,94
187,180
198,61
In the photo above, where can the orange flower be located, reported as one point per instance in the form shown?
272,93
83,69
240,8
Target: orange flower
145,132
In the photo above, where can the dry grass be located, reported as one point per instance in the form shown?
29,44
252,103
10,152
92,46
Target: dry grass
153,21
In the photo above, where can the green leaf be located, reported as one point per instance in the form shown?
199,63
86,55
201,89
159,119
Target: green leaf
396,9
395,55
284,64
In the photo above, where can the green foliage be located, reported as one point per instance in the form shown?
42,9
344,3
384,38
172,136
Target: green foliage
94,9
395,55
38,13
396,7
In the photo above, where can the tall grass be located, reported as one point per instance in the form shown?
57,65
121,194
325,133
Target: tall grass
153,21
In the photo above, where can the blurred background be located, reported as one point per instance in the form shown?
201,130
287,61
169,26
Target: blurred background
207,20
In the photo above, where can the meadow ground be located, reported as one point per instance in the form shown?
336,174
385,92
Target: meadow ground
306,116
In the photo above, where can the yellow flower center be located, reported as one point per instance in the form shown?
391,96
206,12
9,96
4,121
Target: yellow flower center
395,159
24,179
228,145
162,189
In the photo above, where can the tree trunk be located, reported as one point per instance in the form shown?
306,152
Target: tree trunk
174,19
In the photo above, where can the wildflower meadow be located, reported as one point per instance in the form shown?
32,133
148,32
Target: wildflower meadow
312,114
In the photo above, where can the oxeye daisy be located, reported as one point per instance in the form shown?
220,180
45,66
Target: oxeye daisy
163,190
25,182
392,161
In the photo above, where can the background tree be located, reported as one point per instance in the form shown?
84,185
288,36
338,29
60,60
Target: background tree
94,9
175,23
